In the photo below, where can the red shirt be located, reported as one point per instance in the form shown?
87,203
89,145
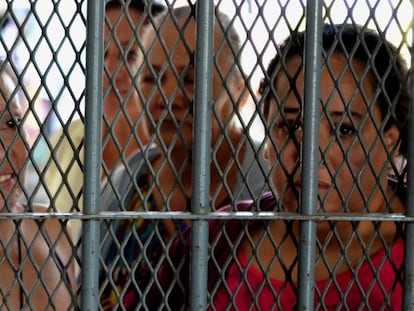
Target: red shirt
378,280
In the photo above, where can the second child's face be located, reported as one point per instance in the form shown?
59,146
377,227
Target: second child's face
13,152
353,157
120,60
168,84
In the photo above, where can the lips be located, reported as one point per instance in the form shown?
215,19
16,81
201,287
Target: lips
122,92
113,90
322,185
170,120
5,177
7,181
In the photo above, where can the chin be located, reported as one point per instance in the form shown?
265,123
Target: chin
172,139
291,206
323,229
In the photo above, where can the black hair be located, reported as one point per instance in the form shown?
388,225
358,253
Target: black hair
138,5
387,68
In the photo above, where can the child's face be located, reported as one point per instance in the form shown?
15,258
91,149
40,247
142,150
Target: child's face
171,102
121,64
12,149
352,153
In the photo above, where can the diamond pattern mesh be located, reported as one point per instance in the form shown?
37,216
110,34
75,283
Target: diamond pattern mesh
148,139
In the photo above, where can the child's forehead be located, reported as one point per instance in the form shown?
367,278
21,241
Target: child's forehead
336,73
341,87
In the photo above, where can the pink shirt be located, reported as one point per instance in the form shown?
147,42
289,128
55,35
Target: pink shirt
365,291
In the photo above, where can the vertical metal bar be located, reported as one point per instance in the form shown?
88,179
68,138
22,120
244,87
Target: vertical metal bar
310,154
201,157
93,116
409,238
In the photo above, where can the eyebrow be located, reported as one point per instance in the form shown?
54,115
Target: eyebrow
289,110
126,43
183,69
336,113
155,68
353,114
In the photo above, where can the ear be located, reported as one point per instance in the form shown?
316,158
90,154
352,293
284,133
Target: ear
246,100
391,137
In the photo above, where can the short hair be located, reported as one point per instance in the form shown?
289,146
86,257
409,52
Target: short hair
138,5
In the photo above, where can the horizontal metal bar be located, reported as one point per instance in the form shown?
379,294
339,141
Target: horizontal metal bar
214,215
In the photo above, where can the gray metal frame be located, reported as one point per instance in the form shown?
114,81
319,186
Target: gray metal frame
201,211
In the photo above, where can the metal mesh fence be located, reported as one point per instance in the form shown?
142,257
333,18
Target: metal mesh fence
167,155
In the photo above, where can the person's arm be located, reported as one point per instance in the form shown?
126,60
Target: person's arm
48,265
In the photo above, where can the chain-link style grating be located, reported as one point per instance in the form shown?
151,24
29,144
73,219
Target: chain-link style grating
145,246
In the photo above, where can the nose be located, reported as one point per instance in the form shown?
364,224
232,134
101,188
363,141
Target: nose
174,93
110,62
115,71
3,146
296,152
324,139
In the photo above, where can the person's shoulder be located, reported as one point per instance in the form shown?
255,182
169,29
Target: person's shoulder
75,131
123,178
265,203
397,249
38,208
137,162
149,153
77,126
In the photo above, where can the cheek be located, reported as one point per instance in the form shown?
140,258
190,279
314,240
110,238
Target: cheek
347,169
360,168
283,162
133,107
356,159
105,81
19,154
110,109
369,152
223,108
270,154
154,105
143,89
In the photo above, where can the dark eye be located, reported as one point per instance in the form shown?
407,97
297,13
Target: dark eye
132,56
291,127
295,126
346,130
13,123
148,78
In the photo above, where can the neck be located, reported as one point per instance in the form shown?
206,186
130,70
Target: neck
182,165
